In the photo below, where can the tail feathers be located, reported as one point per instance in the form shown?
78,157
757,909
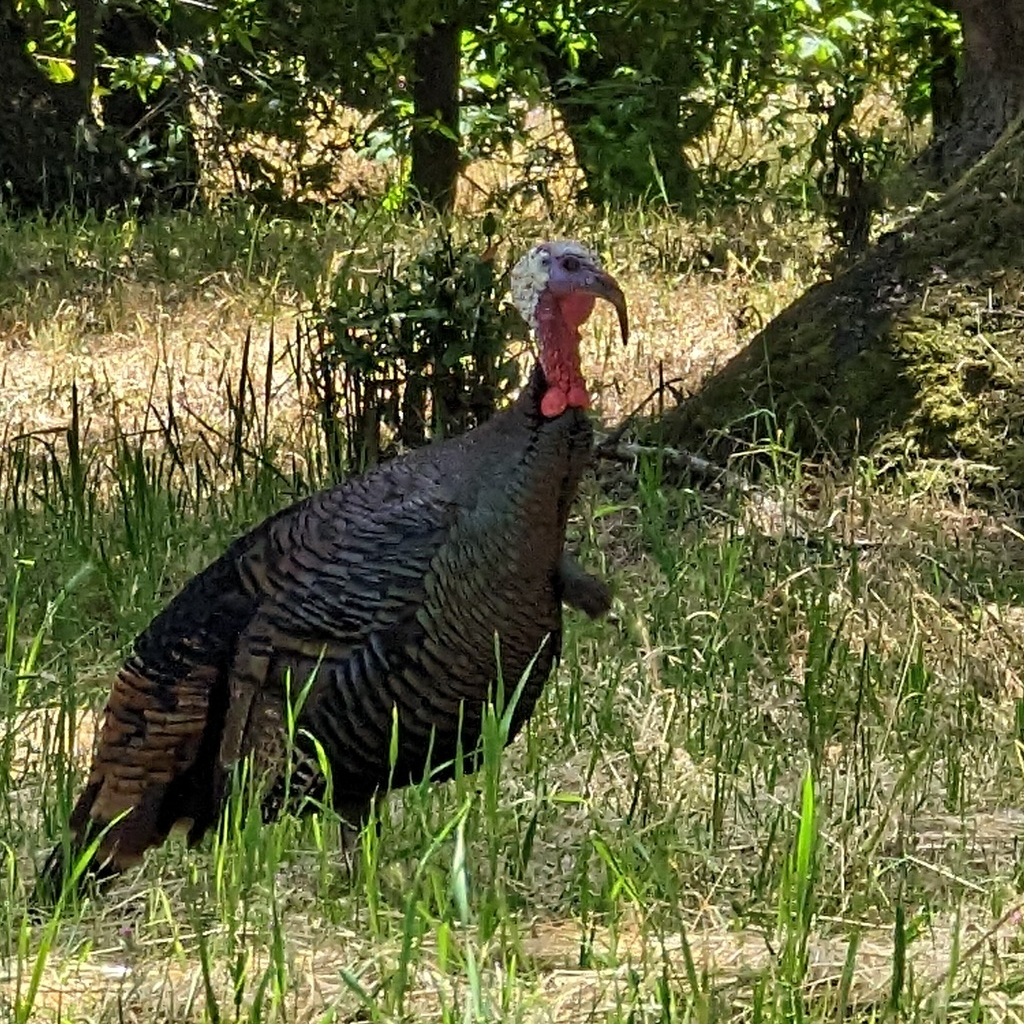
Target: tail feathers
50,881
96,849
64,875
583,591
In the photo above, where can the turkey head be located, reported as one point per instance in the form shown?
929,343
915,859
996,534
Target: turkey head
554,287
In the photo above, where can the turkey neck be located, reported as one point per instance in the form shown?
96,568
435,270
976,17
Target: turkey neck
562,444
528,464
558,323
518,476
525,474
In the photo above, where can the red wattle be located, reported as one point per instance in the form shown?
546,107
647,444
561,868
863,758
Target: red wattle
579,397
554,403
558,330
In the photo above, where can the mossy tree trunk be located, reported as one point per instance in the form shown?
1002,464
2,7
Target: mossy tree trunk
916,348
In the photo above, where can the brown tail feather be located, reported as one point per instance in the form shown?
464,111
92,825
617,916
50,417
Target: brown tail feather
121,843
54,878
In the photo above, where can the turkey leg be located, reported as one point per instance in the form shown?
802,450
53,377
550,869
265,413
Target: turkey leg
581,590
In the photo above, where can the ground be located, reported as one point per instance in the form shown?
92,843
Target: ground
782,780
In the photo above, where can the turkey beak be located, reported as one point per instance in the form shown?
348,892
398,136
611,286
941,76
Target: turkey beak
604,286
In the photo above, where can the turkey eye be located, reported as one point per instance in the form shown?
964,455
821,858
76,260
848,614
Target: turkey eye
571,263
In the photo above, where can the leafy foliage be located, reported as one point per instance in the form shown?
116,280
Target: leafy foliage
640,87
836,54
413,351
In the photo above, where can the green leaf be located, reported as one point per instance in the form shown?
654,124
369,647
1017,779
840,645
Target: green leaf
58,70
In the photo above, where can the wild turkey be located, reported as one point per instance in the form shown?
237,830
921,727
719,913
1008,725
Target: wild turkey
386,590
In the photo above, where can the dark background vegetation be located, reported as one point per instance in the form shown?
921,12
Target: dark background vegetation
109,106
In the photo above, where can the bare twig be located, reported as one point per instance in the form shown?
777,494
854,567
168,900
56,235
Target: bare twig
619,432
779,517
612,448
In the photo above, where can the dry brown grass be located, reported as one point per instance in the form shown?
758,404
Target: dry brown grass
141,985
128,342
133,344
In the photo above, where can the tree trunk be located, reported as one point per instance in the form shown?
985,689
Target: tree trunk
86,21
992,85
944,83
622,161
917,348
435,132
573,113
52,151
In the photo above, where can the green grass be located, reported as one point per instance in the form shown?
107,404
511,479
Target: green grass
782,783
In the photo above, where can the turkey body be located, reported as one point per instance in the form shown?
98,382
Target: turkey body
384,594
